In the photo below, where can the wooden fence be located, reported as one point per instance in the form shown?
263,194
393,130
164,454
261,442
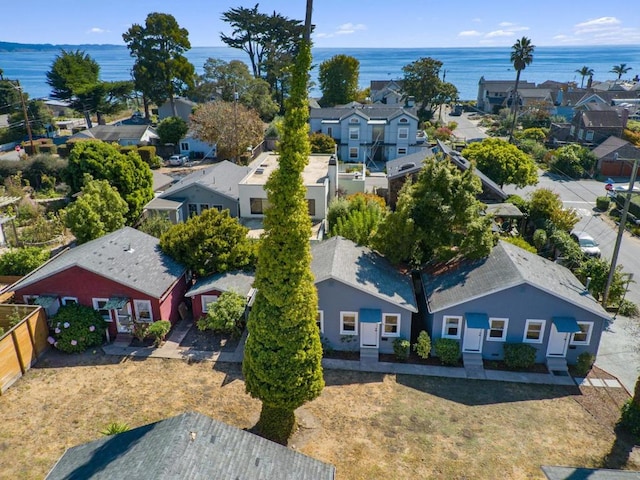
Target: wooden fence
21,345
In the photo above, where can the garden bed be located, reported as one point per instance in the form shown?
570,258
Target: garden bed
208,341
501,365
416,359
342,355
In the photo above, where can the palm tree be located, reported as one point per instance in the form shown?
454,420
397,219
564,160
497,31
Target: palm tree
620,69
521,56
584,72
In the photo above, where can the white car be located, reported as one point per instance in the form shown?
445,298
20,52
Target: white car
178,160
587,244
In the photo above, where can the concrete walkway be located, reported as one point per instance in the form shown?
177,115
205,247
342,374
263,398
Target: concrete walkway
172,349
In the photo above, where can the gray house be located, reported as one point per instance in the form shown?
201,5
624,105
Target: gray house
513,296
213,187
188,446
364,303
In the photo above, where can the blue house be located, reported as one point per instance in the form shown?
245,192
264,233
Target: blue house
513,296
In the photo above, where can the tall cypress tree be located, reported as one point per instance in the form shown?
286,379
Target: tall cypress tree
282,362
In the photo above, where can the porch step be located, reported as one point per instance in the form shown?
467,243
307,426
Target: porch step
557,366
123,339
368,354
472,360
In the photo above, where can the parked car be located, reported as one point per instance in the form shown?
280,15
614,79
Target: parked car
456,111
178,160
587,244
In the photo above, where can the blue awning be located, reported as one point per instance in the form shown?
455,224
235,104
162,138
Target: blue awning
45,301
370,315
477,320
566,324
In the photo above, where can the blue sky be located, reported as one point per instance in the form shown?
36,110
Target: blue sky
340,23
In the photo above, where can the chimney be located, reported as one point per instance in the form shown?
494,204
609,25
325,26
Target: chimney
333,177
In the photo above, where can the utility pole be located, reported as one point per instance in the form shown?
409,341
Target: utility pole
26,116
623,222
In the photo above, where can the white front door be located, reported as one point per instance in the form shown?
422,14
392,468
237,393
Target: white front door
558,342
124,320
472,341
369,334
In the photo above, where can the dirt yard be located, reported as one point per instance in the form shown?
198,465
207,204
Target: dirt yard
371,426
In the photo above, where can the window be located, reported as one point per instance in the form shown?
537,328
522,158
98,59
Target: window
403,133
184,147
98,304
320,321
217,207
354,120
583,337
203,207
589,136
193,209
311,206
330,131
580,133
572,130
124,315
534,331
497,329
390,324
354,154
69,300
354,133
402,151
206,300
258,205
348,323
403,120
143,310
451,327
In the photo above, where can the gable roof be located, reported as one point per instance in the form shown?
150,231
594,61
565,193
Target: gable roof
600,118
127,256
189,446
362,268
239,282
373,111
113,133
222,178
407,164
609,146
505,267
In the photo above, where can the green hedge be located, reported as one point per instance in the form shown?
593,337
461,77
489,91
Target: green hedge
519,355
77,327
603,203
447,350
48,148
401,348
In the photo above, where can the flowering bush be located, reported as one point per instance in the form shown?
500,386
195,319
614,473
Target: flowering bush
76,328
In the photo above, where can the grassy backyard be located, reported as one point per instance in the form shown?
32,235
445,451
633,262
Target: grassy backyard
368,425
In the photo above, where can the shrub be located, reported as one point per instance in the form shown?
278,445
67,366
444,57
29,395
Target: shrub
76,328
401,348
603,203
20,261
321,143
158,330
520,242
630,418
447,350
519,355
225,315
63,150
540,239
628,309
584,363
114,428
140,330
423,345
50,149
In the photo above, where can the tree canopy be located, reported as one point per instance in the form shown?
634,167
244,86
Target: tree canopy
422,81
20,261
172,129
584,72
573,160
129,174
521,56
233,127
338,77
620,70
97,211
437,217
212,242
161,70
502,162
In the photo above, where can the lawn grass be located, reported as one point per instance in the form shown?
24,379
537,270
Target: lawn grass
369,425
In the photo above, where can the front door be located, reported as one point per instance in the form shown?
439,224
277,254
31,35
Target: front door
472,341
369,334
558,342
124,320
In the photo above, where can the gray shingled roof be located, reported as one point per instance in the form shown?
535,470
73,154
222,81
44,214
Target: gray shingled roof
189,446
395,166
571,473
601,118
371,111
222,178
239,282
113,133
505,267
127,256
610,145
362,268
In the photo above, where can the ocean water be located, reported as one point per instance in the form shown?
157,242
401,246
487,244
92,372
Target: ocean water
461,66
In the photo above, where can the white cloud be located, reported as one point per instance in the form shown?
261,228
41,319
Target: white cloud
469,33
600,31
344,29
97,30
598,22
499,33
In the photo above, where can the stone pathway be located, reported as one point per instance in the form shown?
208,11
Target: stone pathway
598,382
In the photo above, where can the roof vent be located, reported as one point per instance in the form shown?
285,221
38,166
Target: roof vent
129,249
259,171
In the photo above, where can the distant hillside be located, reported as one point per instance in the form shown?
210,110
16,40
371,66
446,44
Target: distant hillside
43,47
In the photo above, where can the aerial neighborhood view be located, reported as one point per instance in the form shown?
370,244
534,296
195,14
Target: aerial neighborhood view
296,241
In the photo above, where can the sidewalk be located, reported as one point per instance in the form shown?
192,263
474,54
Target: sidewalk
171,349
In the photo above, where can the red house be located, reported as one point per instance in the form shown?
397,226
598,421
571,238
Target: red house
124,275
207,290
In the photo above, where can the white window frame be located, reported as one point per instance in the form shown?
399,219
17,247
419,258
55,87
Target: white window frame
320,320
217,207
402,150
354,133
503,338
136,305
398,318
444,326
543,324
96,307
403,133
589,332
589,135
403,121
206,300
184,146
355,326
330,132
354,120
351,153
64,300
